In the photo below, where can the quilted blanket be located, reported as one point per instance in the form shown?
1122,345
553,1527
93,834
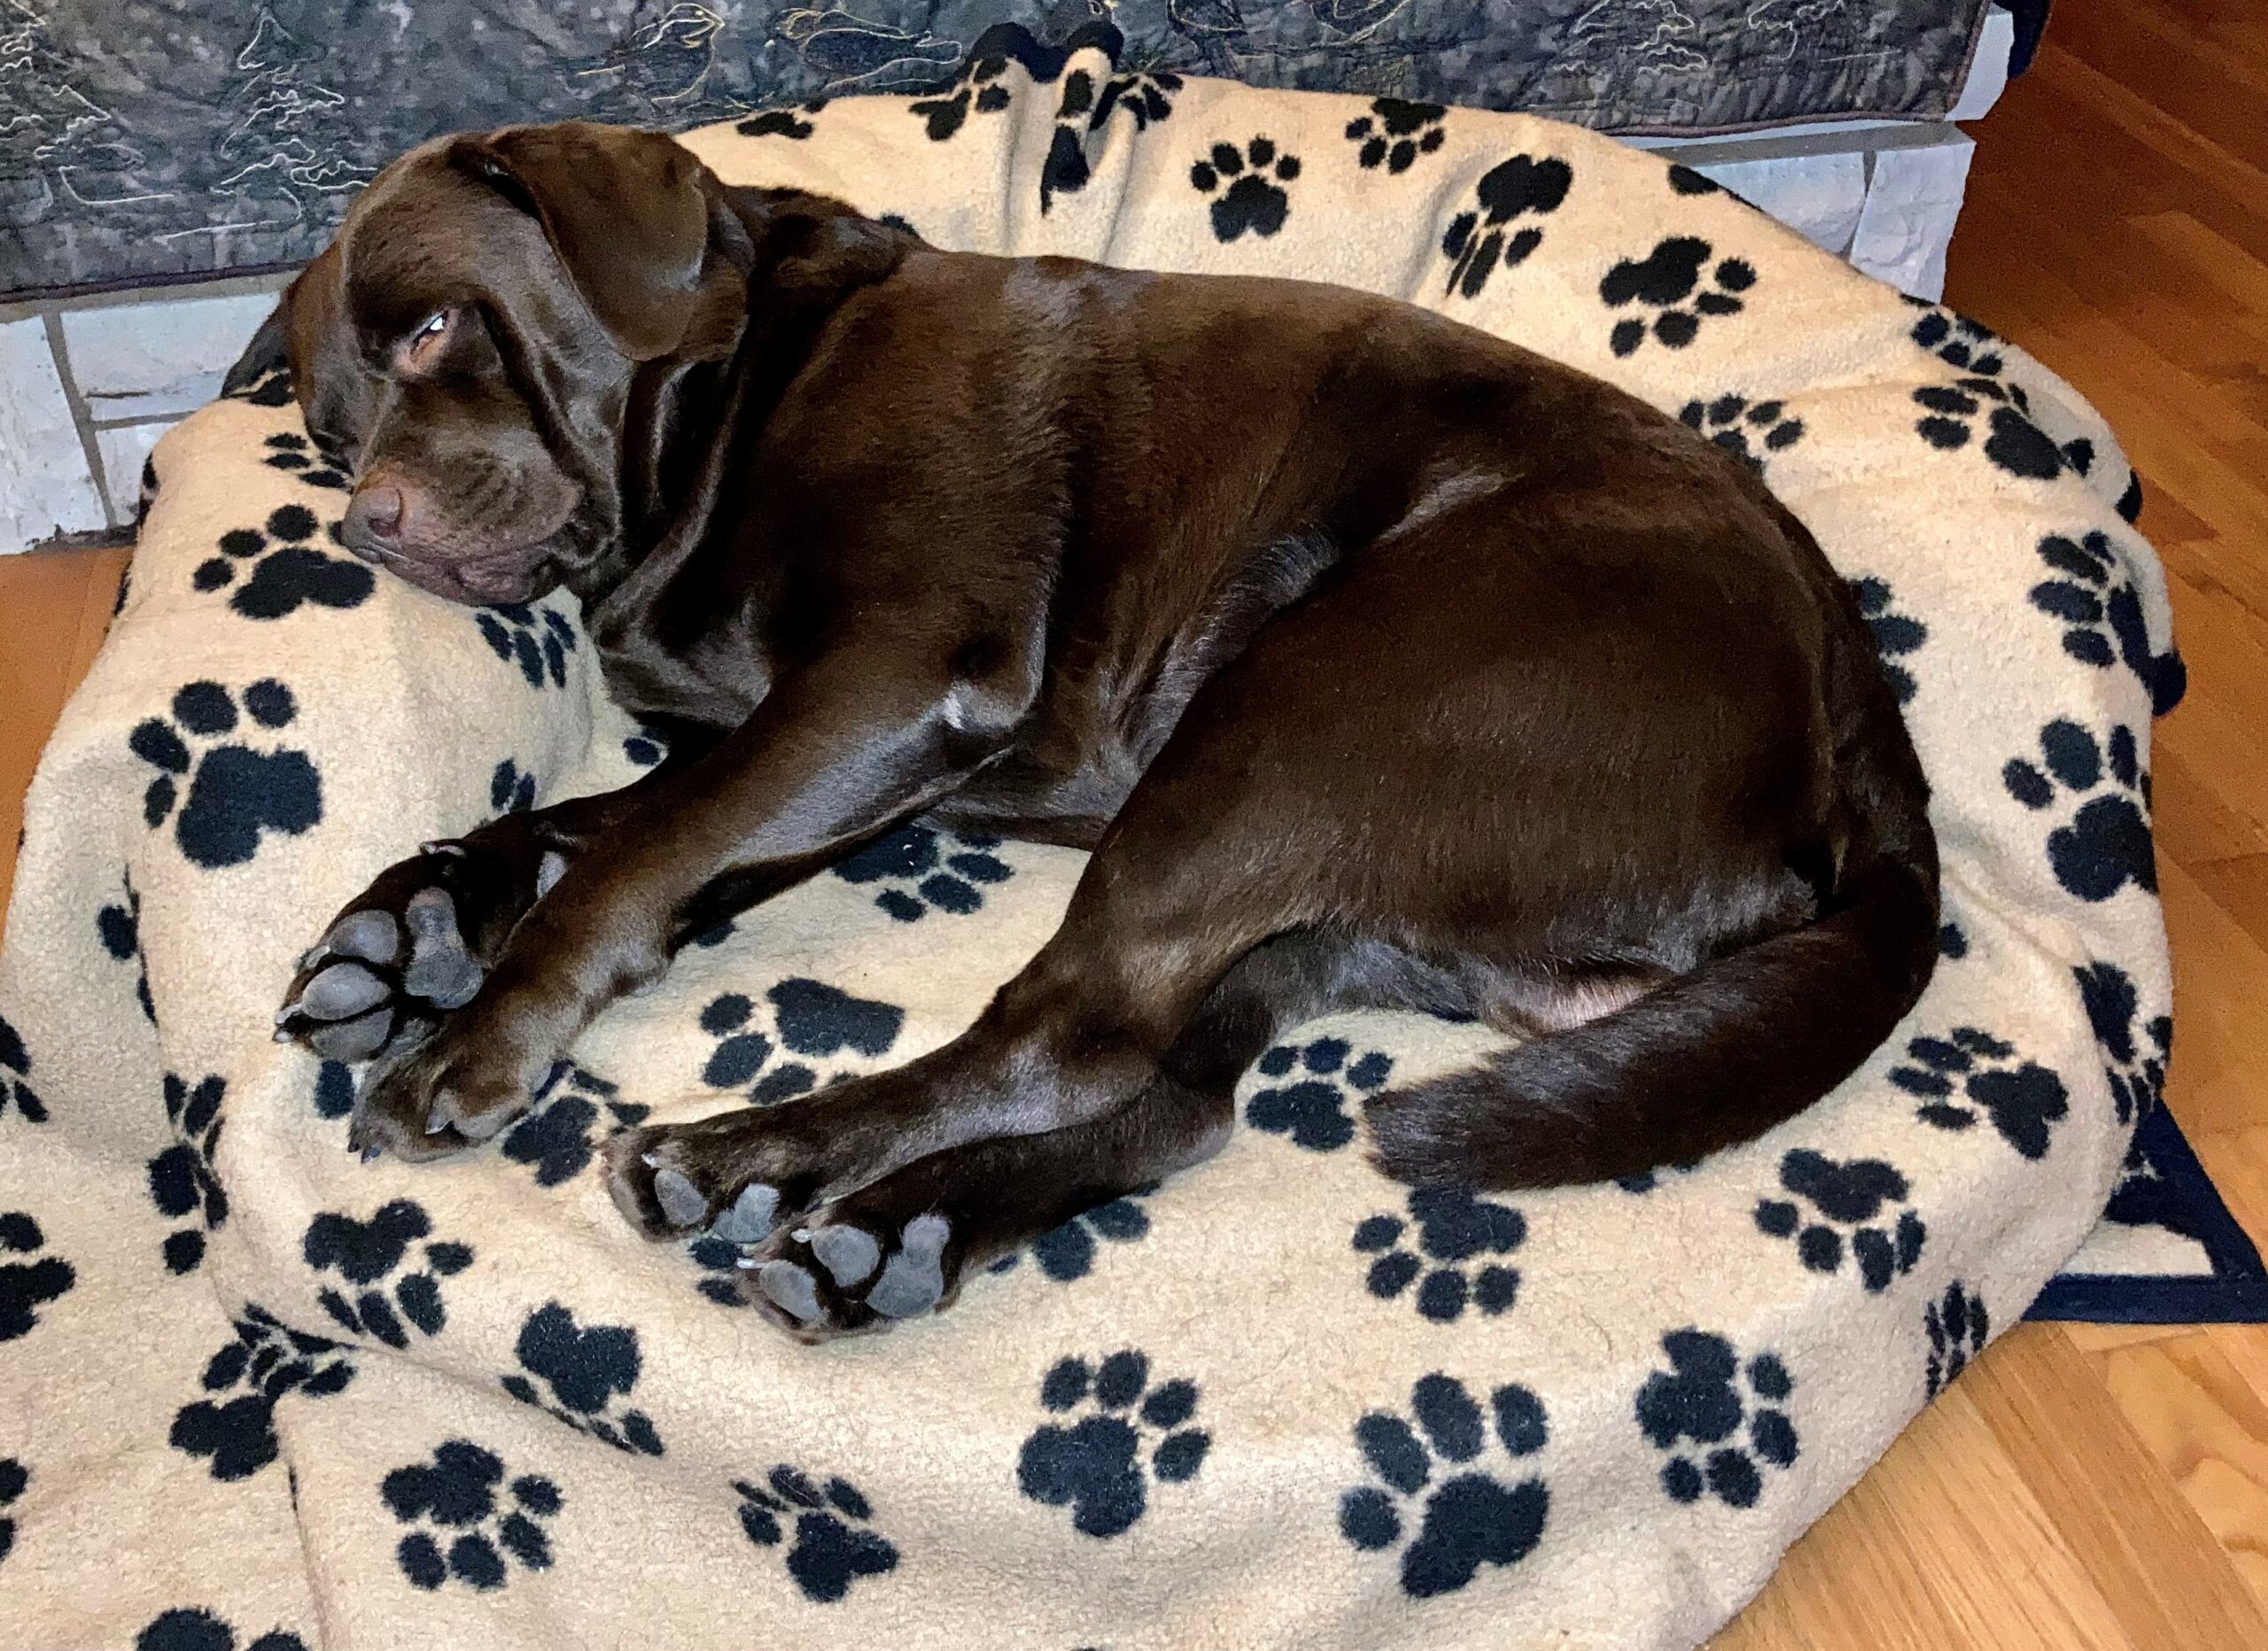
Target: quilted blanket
254,1394
147,140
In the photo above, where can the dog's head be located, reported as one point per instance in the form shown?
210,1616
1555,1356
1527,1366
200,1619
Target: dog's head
475,338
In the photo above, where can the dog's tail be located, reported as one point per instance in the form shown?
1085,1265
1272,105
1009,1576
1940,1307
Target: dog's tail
1716,1057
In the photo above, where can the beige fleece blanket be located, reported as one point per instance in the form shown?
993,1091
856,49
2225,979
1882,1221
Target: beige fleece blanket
254,1394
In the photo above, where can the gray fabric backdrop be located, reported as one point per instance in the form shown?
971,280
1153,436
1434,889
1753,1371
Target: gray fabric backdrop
150,140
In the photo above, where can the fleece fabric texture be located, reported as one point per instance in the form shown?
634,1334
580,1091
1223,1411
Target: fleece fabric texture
255,1394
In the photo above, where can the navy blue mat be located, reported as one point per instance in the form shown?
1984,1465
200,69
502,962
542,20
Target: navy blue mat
2165,1211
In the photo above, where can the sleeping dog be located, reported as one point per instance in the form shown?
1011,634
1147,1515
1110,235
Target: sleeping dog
1378,662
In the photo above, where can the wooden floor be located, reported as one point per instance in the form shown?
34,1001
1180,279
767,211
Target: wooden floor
2080,1488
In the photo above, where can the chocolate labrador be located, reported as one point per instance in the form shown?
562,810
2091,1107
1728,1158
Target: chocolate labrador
1377,661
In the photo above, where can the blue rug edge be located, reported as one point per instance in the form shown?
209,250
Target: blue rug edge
2236,1292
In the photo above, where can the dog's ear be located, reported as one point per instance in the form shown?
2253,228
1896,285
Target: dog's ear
625,213
269,351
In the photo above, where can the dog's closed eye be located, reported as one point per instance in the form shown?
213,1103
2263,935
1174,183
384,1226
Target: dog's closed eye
420,352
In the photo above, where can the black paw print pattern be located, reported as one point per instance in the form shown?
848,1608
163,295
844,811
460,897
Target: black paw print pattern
233,1431
1698,1402
15,1077
1649,1179
183,1181
2012,441
1952,941
835,1545
193,1628
1896,634
1853,1196
2102,614
367,1255
1246,187
1476,1511
1097,1467
1083,110
647,747
1956,340
718,1259
237,794
1456,1235
1686,181
1307,1098
26,1286
2105,844
2134,1055
788,123
1395,133
537,640
287,570
334,1090
1957,1326
15,1478
1065,170
119,927
289,452
923,869
1490,237
809,1017
1969,1074
1067,1254
555,1138
271,390
1747,430
145,497
1665,280
978,92
1147,94
582,1368
512,789
1844,1195
460,1498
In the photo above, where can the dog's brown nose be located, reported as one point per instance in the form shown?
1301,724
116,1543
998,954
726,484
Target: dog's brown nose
374,519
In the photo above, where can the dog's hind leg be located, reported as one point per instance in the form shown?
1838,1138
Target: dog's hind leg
902,1246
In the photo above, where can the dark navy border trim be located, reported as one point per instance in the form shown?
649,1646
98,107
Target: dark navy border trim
2236,1292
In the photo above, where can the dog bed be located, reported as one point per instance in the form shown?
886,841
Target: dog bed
256,1394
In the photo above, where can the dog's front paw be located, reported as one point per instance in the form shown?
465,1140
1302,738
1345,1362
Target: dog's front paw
458,1088
404,954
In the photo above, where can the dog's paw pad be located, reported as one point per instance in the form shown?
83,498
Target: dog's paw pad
441,970
353,1040
790,1288
340,991
372,937
748,1222
914,1281
682,1203
848,1253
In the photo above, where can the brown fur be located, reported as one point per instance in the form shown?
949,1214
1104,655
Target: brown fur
1378,661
